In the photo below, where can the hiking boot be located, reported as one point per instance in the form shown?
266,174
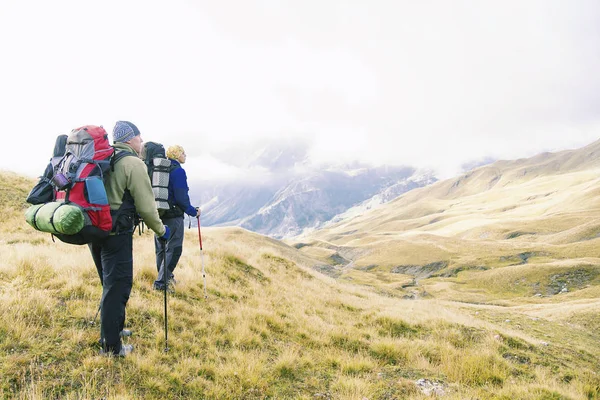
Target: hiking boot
126,349
160,287
123,333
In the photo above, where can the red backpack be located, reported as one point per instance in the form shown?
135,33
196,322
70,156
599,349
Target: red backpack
84,165
78,180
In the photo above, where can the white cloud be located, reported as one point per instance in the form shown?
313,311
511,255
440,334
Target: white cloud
429,84
207,168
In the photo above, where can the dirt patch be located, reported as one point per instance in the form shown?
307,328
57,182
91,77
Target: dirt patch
420,271
571,280
454,271
522,258
328,270
337,259
516,234
367,268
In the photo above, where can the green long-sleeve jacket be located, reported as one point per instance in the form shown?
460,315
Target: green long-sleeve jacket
131,173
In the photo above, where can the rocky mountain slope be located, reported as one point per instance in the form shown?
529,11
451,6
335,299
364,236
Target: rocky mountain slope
295,196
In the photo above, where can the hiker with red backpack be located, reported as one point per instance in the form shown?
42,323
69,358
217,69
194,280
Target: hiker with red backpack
129,193
179,204
92,193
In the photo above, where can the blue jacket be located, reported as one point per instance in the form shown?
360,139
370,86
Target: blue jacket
178,189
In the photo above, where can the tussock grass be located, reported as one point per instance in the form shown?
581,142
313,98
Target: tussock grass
518,242
274,327
271,328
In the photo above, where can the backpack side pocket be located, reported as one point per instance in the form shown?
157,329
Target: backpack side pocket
95,191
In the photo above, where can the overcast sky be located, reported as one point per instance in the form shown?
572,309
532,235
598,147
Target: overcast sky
425,83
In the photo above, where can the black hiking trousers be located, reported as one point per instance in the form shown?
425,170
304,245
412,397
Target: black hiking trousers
114,261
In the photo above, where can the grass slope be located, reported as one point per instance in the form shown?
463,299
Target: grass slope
532,212
273,327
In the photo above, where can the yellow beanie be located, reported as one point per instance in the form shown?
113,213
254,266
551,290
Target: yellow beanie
174,152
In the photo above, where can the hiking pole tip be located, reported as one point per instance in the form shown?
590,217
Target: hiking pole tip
93,322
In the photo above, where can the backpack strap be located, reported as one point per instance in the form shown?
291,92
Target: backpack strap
127,206
118,156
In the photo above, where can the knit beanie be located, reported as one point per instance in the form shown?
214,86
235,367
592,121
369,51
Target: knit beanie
174,152
124,131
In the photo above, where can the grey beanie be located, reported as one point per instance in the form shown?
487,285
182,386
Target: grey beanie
124,131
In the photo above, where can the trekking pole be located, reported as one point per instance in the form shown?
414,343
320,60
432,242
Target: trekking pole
93,322
165,269
201,253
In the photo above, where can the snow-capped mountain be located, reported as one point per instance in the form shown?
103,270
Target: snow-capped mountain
295,196
418,179
309,202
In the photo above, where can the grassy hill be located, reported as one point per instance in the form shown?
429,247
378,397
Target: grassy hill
543,213
275,327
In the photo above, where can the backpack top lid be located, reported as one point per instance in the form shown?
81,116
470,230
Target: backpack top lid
152,150
89,142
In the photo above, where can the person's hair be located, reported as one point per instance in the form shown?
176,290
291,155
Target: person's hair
174,152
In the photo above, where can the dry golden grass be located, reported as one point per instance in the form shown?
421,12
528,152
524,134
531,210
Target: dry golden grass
275,327
506,237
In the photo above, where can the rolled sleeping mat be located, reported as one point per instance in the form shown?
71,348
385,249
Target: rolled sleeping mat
56,217
160,182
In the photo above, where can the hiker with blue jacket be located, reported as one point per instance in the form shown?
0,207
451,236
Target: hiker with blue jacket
179,203
129,193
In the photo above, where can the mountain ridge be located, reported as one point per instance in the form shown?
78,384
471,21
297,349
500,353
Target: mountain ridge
530,204
504,173
295,195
